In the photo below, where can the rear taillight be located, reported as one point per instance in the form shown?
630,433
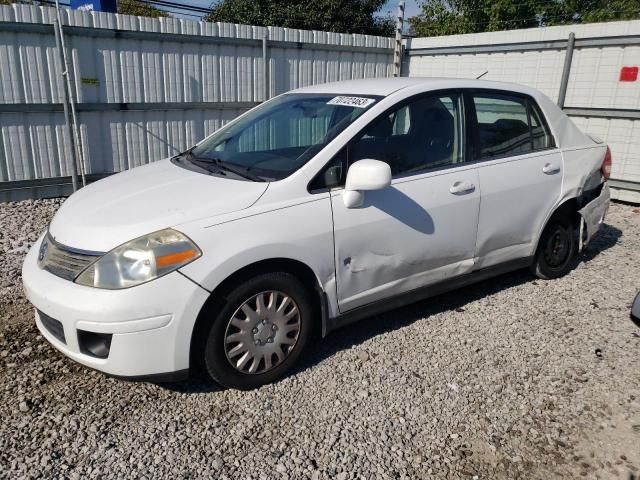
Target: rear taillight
606,165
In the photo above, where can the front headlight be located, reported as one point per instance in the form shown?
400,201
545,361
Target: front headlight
140,260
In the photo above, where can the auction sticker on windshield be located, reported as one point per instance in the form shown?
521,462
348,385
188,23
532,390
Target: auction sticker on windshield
359,102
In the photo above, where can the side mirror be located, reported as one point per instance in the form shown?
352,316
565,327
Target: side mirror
365,175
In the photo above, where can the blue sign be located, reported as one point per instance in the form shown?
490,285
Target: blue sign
110,6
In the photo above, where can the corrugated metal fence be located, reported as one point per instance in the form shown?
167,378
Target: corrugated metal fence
595,98
148,88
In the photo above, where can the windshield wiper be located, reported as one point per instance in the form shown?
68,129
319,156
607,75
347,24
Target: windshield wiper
187,153
229,167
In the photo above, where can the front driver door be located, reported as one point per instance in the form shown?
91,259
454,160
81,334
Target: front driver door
422,229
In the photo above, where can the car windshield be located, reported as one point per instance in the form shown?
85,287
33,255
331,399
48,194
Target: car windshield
276,138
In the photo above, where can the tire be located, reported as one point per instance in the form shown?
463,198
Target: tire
556,250
246,335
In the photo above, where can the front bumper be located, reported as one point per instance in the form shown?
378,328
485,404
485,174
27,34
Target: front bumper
149,326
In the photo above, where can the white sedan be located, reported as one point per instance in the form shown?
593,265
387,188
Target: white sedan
319,207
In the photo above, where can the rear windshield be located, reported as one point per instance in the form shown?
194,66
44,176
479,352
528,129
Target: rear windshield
276,138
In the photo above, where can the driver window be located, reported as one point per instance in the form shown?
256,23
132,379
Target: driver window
423,134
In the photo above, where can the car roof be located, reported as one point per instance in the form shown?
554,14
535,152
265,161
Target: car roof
564,130
387,86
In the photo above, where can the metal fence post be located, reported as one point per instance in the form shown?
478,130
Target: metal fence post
70,99
566,70
265,65
397,48
72,162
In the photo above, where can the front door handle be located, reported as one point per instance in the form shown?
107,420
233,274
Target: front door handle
461,188
550,169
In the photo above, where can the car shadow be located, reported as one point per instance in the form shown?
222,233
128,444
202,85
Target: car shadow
606,238
359,332
402,207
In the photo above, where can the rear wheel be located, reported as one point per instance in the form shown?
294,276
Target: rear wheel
260,332
557,248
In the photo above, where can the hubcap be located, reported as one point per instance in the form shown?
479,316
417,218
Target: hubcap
262,332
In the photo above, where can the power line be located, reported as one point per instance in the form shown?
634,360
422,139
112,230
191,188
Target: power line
168,6
540,3
180,6
540,18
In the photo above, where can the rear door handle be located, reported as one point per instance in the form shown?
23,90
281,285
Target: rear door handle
461,188
550,169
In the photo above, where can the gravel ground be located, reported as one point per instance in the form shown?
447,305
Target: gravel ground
513,378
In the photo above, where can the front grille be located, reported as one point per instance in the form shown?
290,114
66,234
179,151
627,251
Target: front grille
53,326
62,261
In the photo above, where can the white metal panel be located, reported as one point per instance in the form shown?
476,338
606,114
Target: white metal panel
530,34
623,137
538,69
594,80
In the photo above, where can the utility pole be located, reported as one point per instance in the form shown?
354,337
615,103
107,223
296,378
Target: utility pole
566,70
397,48
69,105
71,163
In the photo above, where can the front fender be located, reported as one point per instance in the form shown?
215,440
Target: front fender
302,232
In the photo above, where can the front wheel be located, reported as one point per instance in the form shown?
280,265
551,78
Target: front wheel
557,248
260,332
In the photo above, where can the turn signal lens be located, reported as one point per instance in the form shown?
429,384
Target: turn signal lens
140,260
176,258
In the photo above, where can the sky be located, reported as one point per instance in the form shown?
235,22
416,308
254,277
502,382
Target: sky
410,8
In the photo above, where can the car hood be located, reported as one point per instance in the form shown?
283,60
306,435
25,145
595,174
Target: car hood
145,199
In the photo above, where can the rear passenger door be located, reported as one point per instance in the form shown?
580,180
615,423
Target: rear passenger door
520,172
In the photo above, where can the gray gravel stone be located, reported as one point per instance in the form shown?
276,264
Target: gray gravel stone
495,381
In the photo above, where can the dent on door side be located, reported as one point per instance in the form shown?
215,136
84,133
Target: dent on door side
391,245
392,273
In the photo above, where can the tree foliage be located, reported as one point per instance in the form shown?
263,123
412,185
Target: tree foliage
344,16
134,7
449,17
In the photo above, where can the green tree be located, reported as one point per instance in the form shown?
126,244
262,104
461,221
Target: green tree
344,16
449,17
588,11
140,9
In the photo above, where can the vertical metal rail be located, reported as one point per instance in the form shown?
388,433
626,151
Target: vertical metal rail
566,70
71,163
397,47
70,98
265,66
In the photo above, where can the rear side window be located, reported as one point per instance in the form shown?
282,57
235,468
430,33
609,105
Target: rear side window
508,126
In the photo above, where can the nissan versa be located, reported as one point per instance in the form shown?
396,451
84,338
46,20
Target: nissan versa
319,207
